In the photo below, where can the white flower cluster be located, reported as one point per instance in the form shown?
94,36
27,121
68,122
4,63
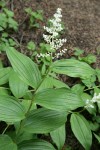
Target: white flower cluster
53,32
56,55
60,53
54,43
43,55
56,24
89,103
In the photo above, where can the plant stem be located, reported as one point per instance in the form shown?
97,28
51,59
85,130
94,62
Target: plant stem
37,90
4,88
21,122
5,129
91,88
77,111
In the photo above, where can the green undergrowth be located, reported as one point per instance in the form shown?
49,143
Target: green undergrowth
34,100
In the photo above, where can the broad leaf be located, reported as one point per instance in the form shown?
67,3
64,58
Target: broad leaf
3,91
25,136
51,82
72,68
58,84
94,126
4,75
17,86
36,145
10,109
81,129
6,143
58,99
44,121
25,67
59,136
78,89
47,83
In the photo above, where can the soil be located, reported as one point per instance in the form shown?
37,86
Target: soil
81,20
82,30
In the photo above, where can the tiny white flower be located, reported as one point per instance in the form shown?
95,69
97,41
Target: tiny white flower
59,9
96,98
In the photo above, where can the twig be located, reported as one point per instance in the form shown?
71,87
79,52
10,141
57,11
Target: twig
24,20
91,88
12,5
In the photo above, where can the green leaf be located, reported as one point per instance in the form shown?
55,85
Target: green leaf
36,145
72,68
25,67
6,143
90,58
28,10
90,82
2,3
13,24
4,35
26,104
58,84
10,109
8,12
31,45
94,126
47,83
78,51
97,137
1,29
45,48
96,118
81,130
3,20
25,136
17,86
44,121
97,91
37,15
98,74
4,75
58,99
3,91
11,42
78,88
58,136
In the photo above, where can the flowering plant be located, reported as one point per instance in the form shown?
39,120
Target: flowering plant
52,37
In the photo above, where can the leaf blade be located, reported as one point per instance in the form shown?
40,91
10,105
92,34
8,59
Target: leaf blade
7,143
4,75
58,99
17,86
81,130
72,68
10,109
36,145
25,67
44,121
58,136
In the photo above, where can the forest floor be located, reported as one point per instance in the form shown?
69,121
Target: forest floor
81,20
